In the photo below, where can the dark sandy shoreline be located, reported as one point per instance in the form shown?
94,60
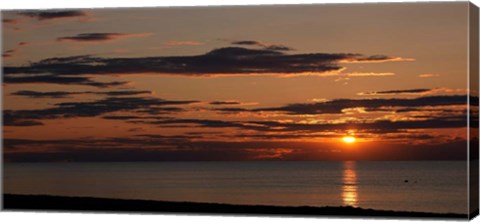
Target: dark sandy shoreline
60,203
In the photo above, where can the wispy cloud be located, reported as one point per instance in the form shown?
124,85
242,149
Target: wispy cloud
9,53
52,14
414,92
428,75
61,80
19,48
9,21
272,47
363,74
377,59
247,42
12,24
100,37
64,94
395,92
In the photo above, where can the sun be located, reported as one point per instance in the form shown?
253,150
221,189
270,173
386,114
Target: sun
349,139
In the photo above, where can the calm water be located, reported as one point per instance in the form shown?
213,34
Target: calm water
431,187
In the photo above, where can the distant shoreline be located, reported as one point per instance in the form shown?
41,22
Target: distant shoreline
85,204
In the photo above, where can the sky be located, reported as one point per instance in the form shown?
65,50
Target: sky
237,83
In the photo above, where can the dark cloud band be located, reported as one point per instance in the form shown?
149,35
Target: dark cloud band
87,37
396,92
336,106
88,109
63,94
58,79
222,61
46,15
100,37
263,45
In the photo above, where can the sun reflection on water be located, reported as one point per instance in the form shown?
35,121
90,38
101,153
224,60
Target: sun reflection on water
349,187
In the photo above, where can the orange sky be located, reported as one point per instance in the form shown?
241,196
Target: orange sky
237,83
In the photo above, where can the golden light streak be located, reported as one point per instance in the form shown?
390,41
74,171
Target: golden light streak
349,188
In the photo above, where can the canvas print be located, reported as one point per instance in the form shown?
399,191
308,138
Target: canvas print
324,109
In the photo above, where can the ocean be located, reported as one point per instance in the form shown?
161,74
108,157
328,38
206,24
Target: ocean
421,186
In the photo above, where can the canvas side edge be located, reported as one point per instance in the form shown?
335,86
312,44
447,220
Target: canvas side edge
473,126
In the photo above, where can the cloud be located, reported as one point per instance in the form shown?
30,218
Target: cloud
138,106
336,106
100,37
9,53
9,21
278,48
222,61
372,127
231,110
347,76
160,110
122,93
63,80
247,42
281,136
377,127
253,140
201,122
427,75
20,122
377,59
52,14
11,24
88,109
158,136
263,45
228,102
396,92
116,117
362,74
415,92
18,49
34,94
63,94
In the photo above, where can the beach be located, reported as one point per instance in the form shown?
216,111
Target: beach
89,204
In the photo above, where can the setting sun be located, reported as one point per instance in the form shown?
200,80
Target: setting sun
349,139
